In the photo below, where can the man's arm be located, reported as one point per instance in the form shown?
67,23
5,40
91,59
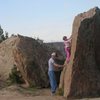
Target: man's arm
57,65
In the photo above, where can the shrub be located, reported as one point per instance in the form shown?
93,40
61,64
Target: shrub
60,91
15,76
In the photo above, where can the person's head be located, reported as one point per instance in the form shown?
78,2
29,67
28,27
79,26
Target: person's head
53,55
64,38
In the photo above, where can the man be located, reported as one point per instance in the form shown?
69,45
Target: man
52,78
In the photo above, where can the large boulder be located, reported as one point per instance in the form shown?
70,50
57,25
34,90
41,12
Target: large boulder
29,56
6,57
82,76
59,46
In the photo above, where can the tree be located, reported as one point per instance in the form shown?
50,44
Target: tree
1,35
6,35
1,31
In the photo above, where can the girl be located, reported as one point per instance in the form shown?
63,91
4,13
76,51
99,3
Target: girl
67,46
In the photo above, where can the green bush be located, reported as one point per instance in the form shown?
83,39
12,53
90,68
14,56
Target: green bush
15,76
60,91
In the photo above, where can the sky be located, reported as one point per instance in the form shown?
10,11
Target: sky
48,20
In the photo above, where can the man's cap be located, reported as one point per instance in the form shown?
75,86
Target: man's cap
53,54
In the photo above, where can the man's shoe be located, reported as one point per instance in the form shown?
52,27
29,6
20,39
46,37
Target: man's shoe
53,93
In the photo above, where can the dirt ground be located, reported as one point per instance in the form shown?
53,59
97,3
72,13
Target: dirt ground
18,93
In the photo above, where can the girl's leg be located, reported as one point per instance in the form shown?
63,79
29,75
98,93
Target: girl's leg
66,52
68,55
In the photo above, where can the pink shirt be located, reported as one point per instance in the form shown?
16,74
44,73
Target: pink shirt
67,43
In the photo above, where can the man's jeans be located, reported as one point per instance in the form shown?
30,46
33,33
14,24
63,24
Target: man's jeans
53,82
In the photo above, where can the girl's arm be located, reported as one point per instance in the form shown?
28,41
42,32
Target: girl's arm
70,39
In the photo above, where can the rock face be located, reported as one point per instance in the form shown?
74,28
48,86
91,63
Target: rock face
82,77
6,57
29,56
59,46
